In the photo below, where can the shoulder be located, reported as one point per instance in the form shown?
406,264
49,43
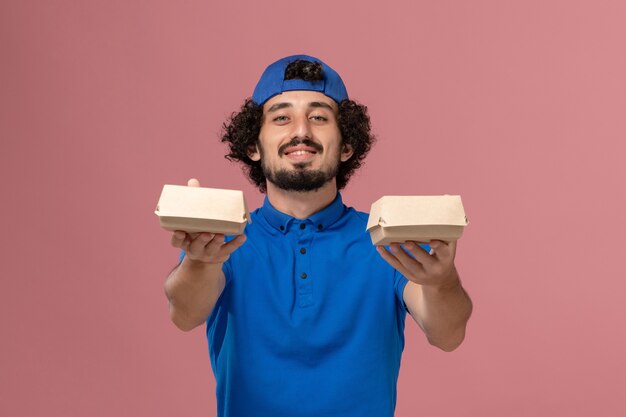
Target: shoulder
360,215
356,218
351,221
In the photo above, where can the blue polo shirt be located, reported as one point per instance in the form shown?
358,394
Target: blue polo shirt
310,322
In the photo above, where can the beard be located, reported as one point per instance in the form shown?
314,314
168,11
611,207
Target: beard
301,179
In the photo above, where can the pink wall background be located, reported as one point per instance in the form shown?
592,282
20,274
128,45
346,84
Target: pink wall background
517,106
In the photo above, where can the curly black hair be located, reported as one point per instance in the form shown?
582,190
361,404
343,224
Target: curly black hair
241,130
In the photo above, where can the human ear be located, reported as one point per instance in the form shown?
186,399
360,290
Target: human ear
253,152
346,152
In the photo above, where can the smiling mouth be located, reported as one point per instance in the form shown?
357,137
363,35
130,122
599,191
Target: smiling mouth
300,149
300,157
300,152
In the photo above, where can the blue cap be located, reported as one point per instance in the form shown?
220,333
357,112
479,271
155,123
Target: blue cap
273,81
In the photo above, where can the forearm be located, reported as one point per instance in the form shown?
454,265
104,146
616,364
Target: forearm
192,290
444,312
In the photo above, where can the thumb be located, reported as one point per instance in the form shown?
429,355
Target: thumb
193,182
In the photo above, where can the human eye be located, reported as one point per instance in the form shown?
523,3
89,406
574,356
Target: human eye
319,118
281,118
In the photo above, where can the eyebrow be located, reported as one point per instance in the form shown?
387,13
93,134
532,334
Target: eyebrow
278,106
315,104
320,104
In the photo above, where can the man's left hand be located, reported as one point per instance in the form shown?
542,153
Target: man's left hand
429,269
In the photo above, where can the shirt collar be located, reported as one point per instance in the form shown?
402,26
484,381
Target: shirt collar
320,220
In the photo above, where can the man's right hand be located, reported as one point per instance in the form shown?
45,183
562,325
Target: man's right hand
205,247
194,286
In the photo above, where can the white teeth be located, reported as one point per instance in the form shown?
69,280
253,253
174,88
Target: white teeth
300,152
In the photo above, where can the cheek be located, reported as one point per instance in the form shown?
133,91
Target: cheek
271,136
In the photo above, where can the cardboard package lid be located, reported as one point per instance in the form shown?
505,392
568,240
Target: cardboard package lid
392,211
178,201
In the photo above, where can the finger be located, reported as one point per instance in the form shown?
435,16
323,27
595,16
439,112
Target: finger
393,261
177,238
443,251
213,249
193,182
198,245
214,245
186,242
439,247
409,263
419,253
452,246
231,246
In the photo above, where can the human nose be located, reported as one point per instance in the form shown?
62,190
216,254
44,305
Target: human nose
301,128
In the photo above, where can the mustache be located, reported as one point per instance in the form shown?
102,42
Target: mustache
296,142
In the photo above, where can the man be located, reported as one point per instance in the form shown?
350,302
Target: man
303,317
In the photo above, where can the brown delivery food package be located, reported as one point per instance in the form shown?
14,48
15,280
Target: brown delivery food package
198,209
417,218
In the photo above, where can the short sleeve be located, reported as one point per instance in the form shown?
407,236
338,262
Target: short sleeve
227,266
399,282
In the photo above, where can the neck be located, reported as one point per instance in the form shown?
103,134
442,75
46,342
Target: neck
301,204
